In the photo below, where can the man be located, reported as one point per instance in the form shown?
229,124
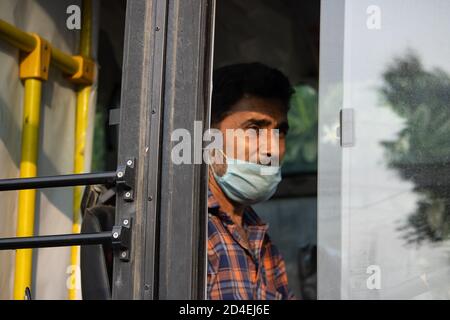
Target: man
242,261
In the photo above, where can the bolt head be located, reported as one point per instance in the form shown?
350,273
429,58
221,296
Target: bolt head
129,162
120,174
125,222
123,254
115,235
128,194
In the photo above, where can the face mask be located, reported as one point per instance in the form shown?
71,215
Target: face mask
247,182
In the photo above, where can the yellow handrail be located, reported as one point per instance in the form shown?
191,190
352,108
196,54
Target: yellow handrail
16,37
34,70
64,62
25,219
26,42
81,123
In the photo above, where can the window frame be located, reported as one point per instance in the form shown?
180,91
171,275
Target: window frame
166,84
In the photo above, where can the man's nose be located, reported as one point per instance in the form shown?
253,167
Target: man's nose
270,146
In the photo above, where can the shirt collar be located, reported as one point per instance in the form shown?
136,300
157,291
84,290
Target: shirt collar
256,228
250,218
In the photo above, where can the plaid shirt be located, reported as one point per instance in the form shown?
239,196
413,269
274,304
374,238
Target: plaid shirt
241,270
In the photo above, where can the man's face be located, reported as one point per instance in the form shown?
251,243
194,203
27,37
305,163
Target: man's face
249,114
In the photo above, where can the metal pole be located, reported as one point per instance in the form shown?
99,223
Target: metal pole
68,180
26,206
33,71
64,62
26,42
81,124
16,37
62,240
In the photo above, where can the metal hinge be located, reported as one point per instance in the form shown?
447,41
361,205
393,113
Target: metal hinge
121,241
126,179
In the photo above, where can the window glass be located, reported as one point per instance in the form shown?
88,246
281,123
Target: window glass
301,142
384,200
289,42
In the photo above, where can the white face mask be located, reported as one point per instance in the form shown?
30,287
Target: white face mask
247,182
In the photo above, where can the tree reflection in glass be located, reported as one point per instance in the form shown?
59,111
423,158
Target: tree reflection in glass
421,153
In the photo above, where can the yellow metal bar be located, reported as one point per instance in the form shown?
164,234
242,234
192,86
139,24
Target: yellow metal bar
83,97
16,37
34,69
26,42
86,31
64,62
26,208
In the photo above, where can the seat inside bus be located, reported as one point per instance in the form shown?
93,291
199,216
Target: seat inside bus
96,261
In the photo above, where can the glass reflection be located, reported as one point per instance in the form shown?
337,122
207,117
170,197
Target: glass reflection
421,152
383,208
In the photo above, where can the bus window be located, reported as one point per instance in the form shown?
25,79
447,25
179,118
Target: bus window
383,189
362,209
283,35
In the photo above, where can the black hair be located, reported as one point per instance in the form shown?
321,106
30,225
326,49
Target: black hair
231,83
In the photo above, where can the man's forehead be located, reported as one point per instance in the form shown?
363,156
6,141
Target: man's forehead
251,107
